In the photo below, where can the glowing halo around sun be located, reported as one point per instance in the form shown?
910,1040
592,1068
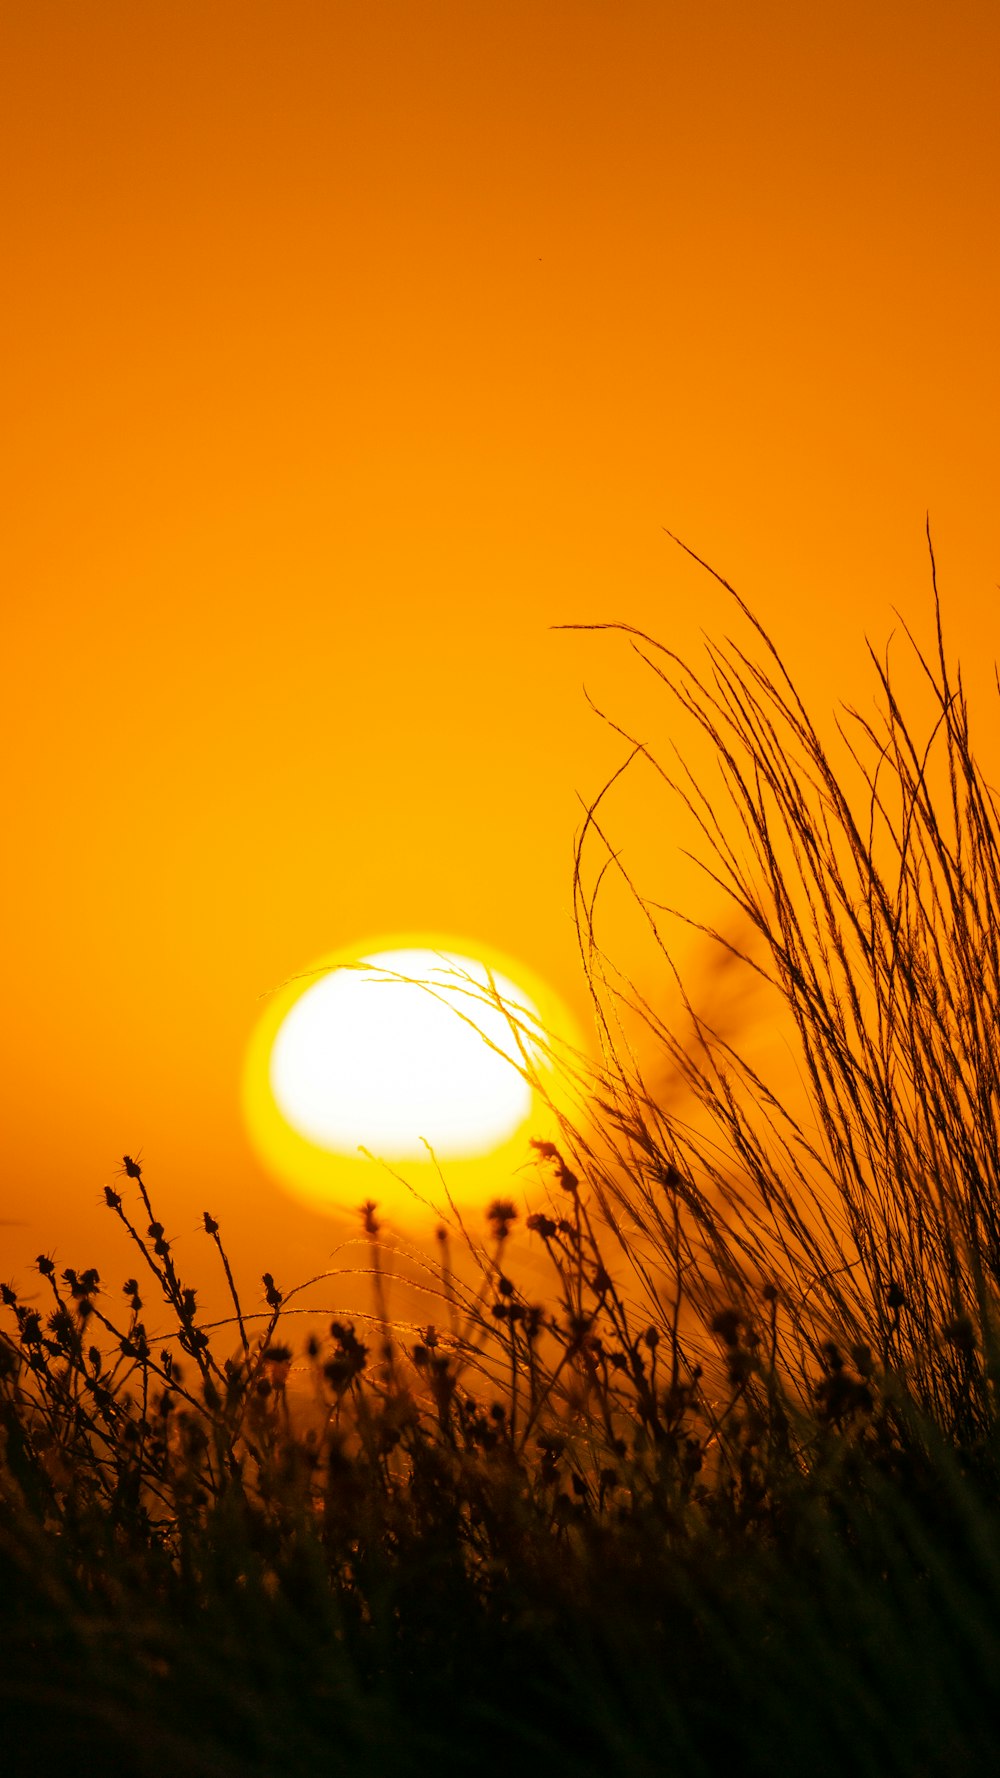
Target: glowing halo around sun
428,1052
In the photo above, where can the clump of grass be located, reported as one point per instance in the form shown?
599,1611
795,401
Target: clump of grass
725,1490
875,917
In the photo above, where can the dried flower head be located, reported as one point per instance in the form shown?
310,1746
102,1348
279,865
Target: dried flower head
727,1323
500,1214
961,1334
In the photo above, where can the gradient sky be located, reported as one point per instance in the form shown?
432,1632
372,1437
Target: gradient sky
349,347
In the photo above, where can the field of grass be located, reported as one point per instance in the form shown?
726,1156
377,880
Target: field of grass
725,1500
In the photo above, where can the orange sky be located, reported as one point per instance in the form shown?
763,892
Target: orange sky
348,348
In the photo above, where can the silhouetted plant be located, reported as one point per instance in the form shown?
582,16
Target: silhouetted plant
726,1491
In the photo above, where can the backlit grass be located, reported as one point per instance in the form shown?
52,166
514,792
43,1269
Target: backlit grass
724,1497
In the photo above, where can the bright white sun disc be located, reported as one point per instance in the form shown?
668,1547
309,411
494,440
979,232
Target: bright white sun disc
410,1049
395,1069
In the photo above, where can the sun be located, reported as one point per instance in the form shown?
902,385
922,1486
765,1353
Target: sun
400,1066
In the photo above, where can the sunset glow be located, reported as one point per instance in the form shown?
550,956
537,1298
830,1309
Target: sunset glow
353,348
500,1075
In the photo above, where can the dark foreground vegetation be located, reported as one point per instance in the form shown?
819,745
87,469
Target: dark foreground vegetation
725,1502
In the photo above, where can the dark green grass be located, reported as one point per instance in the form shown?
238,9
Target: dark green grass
726,1499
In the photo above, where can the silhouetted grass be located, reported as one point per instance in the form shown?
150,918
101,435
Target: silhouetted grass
725,1499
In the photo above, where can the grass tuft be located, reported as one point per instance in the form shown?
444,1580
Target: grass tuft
724,1494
